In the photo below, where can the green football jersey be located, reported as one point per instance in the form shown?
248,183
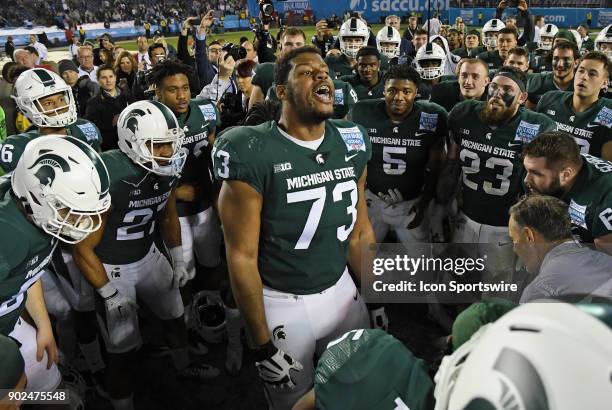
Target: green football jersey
492,58
590,200
198,122
363,91
400,151
368,369
541,83
591,129
448,94
13,146
25,250
491,159
340,66
138,201
344,98
310,199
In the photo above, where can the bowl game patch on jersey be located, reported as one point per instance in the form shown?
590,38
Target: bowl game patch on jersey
208,111
604,117
428,122
353,138
577,214
89,130
526,132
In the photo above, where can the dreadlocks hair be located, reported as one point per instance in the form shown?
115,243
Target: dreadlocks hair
168,68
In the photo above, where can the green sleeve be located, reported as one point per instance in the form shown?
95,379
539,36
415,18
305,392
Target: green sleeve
602,221
2,125
235,157
11,150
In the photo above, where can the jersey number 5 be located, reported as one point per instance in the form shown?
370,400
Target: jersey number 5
318,195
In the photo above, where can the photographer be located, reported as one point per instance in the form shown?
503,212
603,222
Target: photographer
265,44
324,39
207,58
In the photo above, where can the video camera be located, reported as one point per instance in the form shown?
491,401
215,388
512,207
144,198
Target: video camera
266,8
237,52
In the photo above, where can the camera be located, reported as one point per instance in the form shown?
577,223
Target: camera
266,8
160,58
237,52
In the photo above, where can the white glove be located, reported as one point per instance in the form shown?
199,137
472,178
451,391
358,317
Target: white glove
394,196
379,319
275,370
118,307
180,276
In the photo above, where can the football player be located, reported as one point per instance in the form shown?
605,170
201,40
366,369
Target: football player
518,57
489,33
555,167
293,209
47,101
486,141
388,41
506,41
200,227
603,41
471,84
345,98
353,36
539,61
367,83
57,192
407,148
472,45
430,62
125,258
264,73
528,356
582,113
368,369
565,57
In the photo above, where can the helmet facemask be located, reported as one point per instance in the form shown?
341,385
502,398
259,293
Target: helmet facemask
351,47
545,43
68,224
389,49
490,40
143,153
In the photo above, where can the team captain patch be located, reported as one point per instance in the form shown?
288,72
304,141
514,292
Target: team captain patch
525,132
353,138
89,130
428,122
208,111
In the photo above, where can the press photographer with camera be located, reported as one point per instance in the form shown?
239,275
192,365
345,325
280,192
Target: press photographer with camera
206,57
142,87
265,43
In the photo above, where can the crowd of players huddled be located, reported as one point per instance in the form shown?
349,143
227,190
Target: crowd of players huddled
235,190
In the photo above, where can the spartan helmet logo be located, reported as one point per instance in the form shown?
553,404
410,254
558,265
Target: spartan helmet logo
131,120
48,163
488,135
396,129
279,333
319,158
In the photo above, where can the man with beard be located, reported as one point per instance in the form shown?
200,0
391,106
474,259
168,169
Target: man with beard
407,148
555,167
506,40
486,140
565,57
367,82
293,209
582,113
471,85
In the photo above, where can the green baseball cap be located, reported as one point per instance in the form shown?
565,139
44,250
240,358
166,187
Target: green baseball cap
368,369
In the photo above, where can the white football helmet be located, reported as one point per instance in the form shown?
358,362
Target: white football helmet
63,185
353,27
603,41
388,41
430,52
489,32
547,36
145,123
209,316
539,355
33,85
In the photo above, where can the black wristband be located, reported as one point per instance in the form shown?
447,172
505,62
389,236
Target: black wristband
265,351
